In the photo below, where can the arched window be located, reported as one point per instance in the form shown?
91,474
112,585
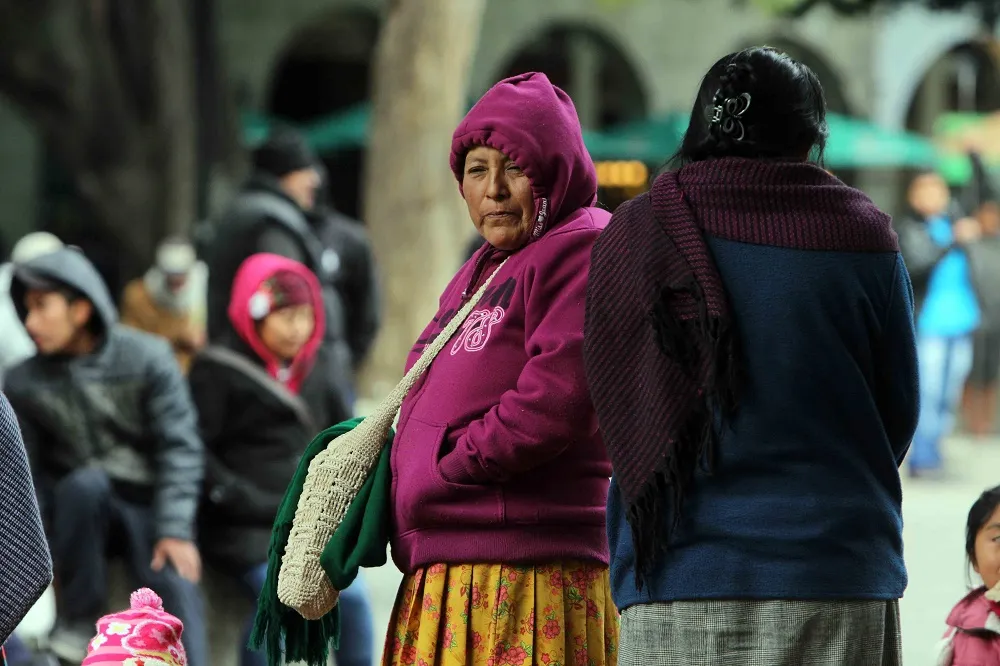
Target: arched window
326,68
590,67
963,79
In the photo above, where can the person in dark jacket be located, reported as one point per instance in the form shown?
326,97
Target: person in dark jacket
270,216
750,350
262,395
353,273
984,265
979,199
935,242
113,441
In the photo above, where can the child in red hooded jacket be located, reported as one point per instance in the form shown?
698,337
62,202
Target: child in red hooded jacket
262,394
973,635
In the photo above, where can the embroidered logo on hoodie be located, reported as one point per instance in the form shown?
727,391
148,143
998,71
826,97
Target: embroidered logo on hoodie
476,330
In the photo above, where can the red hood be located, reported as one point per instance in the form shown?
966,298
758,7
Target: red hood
251,275
535,124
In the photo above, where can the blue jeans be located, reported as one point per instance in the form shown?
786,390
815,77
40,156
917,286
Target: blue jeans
18,653
85,514
356,632
944,365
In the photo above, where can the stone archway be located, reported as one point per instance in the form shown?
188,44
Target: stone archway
965,78
326,68
590,67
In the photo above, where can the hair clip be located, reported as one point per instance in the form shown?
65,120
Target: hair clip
728,115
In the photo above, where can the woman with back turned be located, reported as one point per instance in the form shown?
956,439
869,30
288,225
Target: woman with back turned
749,347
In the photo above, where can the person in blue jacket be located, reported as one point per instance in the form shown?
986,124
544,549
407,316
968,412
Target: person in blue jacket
934,242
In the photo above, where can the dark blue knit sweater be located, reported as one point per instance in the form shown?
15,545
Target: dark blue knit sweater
805,502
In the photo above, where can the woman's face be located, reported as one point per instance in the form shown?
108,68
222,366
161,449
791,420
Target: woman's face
499,198
987,563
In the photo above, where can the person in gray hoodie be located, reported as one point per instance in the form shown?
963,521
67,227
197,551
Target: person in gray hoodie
112,436
15,345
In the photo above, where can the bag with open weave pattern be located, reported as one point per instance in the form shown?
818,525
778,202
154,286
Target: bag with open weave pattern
335,476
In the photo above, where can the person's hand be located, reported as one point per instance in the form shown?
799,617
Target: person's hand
183,555
967,230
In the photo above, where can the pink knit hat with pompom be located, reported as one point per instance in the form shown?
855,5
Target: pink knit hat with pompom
144,635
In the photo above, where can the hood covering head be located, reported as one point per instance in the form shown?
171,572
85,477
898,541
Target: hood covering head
250,288
34,245
534,123
66,267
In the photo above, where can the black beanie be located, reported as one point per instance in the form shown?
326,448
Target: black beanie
284,151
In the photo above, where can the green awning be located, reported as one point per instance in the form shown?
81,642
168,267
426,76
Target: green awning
951,131
856,143
348,129
344,130
853,143
653,140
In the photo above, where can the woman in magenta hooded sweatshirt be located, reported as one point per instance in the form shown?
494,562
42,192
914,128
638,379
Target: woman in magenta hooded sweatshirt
500,476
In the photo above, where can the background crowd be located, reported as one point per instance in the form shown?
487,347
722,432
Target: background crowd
224,358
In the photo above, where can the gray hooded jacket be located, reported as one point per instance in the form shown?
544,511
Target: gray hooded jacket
124,408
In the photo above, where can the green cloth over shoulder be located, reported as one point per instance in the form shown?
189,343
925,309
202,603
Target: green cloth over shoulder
361,540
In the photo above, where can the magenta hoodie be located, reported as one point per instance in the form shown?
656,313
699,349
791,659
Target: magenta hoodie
498,458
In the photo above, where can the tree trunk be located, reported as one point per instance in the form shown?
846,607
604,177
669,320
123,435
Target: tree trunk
108,84
418,221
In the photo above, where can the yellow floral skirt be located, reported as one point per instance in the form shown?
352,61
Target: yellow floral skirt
501,615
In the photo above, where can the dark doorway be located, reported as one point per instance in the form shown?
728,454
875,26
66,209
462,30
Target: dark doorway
326,69
618,94
963,79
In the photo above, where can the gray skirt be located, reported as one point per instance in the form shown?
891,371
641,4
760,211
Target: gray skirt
761,633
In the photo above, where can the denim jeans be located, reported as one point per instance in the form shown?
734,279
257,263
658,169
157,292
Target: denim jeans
944,365
356,632
85,513
18,653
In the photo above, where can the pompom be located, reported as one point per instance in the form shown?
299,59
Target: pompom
146,598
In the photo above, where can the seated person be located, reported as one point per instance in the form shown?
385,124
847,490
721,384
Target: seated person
169,299
262,396
112,437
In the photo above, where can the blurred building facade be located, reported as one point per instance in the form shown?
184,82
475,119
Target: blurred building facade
303,59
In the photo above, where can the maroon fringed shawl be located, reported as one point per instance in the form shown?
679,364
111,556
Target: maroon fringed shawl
660,347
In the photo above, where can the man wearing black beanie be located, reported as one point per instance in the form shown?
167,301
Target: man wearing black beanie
270,215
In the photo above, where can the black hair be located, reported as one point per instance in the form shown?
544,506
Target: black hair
758,103
979,514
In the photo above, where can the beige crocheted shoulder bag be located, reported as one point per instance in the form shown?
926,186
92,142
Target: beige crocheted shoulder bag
334,479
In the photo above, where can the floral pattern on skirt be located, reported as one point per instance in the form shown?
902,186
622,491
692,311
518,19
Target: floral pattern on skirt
503,615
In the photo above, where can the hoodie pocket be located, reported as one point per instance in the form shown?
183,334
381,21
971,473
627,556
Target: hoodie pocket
424,499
